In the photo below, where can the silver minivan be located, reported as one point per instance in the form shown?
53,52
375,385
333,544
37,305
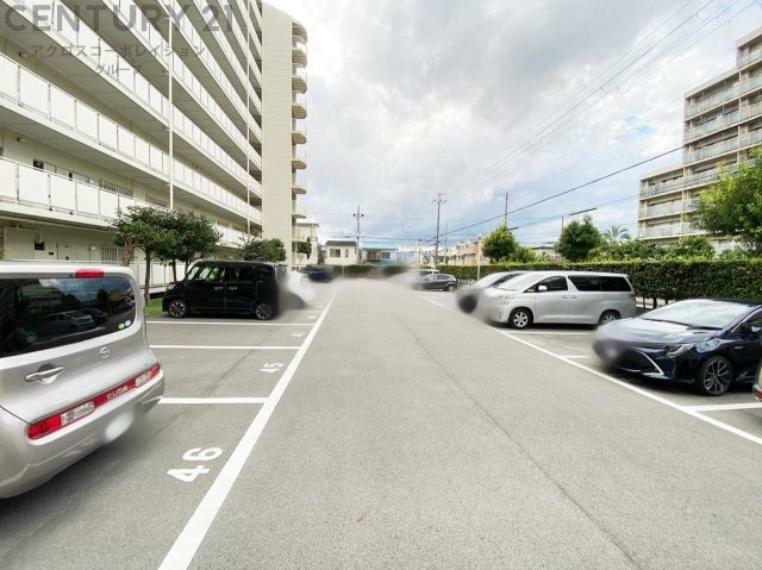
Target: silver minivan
75,367
560,297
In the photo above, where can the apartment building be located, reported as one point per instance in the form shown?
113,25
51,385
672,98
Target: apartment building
723,123
104,105
285,111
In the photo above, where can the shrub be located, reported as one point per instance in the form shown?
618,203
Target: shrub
669,279
357,270
392,270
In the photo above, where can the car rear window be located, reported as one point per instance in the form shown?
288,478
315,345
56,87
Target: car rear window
37,314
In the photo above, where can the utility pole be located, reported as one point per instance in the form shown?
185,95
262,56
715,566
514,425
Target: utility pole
439,201
358,218
505,216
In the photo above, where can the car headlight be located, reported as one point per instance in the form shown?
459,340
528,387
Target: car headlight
678,349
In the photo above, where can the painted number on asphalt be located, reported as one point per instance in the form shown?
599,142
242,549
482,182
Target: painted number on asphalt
272,367
297,334
197,454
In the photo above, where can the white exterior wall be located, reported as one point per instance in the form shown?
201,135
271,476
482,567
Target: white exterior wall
278,175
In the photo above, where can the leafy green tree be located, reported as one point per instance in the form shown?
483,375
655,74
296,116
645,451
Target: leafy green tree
633,249
694,246
194,236
271,250
143,228
304,247
500,245
579,239
733,206
616,234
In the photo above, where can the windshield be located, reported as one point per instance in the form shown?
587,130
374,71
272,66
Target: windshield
699,313
493,278
521,282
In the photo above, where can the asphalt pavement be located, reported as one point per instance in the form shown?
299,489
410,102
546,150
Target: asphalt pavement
379,427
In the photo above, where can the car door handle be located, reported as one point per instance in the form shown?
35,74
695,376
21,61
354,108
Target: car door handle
232,288
219,288
46,375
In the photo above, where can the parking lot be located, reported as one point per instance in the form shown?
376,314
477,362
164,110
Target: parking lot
380,427
738,409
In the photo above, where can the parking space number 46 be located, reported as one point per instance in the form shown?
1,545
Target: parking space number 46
195,455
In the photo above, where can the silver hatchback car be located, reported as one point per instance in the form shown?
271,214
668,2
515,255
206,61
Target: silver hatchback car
560,297
75,367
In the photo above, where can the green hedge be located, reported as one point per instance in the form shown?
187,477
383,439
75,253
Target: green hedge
357,270
664,279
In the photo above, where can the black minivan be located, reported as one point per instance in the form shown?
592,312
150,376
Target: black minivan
234,287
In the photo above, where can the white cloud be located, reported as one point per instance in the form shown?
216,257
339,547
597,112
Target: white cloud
412,97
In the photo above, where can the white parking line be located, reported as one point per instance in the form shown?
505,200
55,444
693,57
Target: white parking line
684,409
227,324
435,303
185,547
215,401
726,407
554,333
213,347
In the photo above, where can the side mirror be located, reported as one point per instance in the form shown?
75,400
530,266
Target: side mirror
542,288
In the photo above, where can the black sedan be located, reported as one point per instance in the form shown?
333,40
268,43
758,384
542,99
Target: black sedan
437,281
709,344
468,297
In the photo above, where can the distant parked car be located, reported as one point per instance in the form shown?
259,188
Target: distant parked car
437,281
468,297
75,367
709,344
559,297
234,287
321,274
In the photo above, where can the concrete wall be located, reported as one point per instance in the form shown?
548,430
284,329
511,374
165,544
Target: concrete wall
276,127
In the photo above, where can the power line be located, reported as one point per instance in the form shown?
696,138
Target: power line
573,189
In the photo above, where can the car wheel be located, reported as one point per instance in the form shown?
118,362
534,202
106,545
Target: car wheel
608,317
715,376
177,309
520,319
264,311
451,287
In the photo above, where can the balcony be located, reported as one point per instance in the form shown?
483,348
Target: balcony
712,150
724,121
299,31
677,207
753,56
298,137
40,111
295,213
716,100
299,80
748,86
299,56
675,230
299,107
298,189
230,237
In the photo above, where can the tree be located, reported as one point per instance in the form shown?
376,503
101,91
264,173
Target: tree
500,245
194,236
304,247
271,250
616,234
143,228
694,246
633,249
579,239
733,206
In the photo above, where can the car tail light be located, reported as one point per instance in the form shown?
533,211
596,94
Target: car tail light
89,273
54,423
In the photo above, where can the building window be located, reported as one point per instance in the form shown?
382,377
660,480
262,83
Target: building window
335,253
346,253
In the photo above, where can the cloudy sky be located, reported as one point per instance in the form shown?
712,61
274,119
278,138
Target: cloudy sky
408,98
